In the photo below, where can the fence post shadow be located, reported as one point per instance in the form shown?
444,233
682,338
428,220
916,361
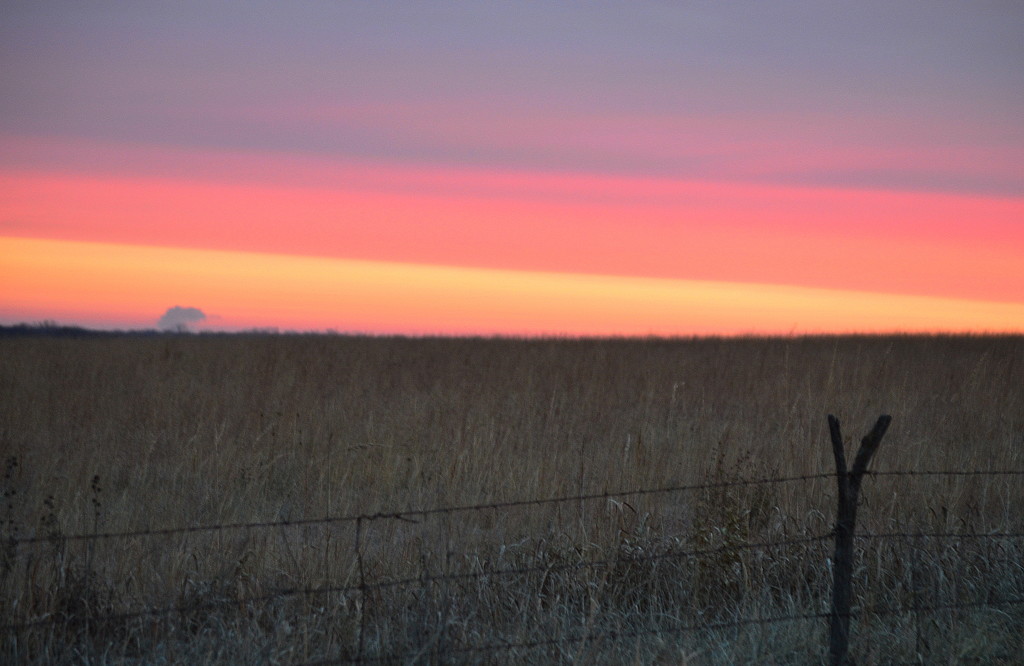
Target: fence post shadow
848,483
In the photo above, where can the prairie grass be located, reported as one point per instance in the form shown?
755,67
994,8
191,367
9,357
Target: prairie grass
135,433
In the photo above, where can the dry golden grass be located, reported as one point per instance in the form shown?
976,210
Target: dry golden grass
116,434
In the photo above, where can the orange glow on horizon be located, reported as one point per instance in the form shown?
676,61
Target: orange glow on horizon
76,282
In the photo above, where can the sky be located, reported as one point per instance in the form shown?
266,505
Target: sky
518,168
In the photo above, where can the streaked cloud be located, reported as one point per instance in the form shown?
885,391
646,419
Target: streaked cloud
872,94
890,242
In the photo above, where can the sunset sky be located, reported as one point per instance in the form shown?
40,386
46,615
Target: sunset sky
600,168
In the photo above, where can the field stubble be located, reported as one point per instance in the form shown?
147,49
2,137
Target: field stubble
117,434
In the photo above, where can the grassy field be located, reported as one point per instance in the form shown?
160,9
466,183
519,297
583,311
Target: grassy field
135,433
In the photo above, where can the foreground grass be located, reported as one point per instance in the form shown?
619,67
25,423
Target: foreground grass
121,434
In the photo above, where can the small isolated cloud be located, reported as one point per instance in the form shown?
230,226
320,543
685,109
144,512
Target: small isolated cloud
179,318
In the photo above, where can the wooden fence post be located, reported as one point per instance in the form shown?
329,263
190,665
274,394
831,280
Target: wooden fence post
846,519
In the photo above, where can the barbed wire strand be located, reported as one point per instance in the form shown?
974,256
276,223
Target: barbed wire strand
939,535
687,628
409,515
425,579
421,580
978,472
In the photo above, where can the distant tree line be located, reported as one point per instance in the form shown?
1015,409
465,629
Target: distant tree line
52,329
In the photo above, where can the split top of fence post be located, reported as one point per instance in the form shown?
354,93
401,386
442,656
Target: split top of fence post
868,446
848,484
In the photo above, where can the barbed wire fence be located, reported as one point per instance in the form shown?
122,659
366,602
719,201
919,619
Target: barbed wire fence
364,586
